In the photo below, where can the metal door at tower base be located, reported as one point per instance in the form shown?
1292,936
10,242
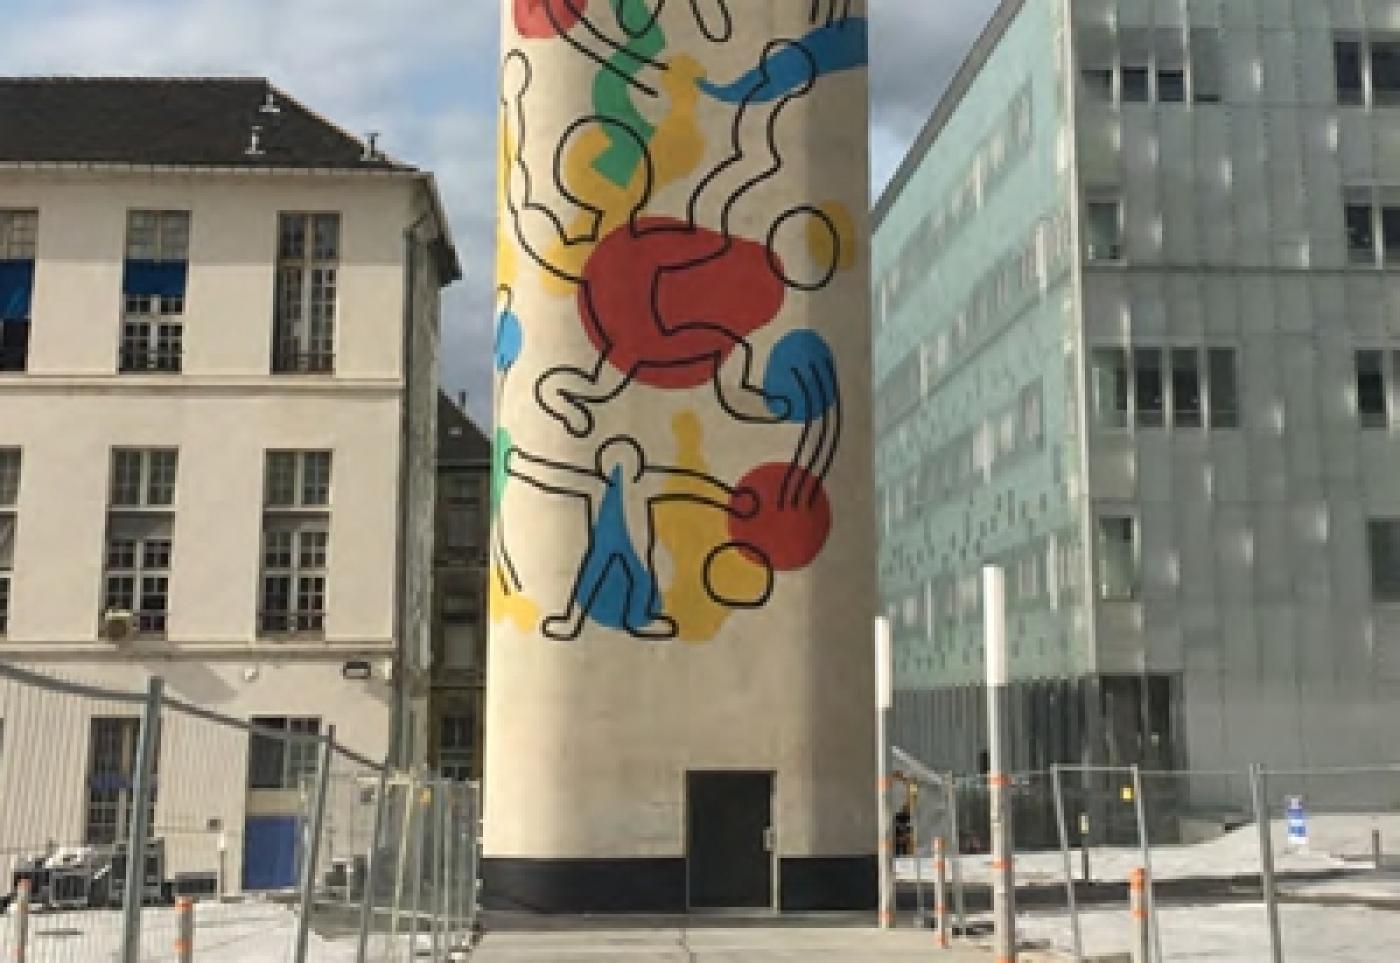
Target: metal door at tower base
729,840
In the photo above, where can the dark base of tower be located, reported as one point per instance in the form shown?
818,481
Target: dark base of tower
658,885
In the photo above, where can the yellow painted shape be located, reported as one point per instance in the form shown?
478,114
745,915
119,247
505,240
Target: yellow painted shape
690,532
676,148
819,240
513,607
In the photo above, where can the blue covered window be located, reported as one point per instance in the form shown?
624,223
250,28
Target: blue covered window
18,233
154,278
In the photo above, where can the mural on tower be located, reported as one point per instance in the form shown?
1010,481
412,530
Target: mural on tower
669,386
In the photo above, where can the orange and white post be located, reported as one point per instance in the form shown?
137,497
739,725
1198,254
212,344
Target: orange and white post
1142,924
184,930
940,892
21,932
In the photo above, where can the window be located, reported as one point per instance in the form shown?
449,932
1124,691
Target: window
298,479
286,754
154,280
1360,228
1205,65
296,542
111,773
1118,558
294,571
140,536
1383,536
1355,59
137,578
1150,393
1033,415
1385,72
1350,87
1223,387
1099,82
1135,85
9,495
457,745
1171,85
1371,406
1104,230
144,477
308,259
18,239
1110,377
1186,388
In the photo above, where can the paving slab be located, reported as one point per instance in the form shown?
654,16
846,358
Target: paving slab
749,944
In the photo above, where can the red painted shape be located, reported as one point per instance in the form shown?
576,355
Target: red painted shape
791,536
532,18
653,311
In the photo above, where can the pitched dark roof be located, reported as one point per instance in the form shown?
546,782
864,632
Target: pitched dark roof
459,439
201,122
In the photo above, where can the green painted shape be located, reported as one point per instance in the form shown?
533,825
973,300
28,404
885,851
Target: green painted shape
499,449
612,97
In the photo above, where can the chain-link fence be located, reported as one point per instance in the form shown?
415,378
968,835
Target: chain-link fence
259,841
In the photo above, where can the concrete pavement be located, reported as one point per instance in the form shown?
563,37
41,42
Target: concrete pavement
749,944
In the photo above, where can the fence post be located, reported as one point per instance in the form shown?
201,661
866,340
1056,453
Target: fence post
420,843
1076,934
884,703
21,949
312,854
440,851
1377,850
1137,910
940,891
372,864
184,930
959,898
139,826
1266,859
1146,843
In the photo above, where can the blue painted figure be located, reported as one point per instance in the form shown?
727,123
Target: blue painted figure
616,584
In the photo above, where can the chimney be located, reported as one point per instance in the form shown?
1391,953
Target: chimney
462,400
371,146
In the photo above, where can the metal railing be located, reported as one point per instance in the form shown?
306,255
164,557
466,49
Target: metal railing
352,859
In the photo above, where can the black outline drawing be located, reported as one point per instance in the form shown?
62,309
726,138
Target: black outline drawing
569,393
646,484
500,546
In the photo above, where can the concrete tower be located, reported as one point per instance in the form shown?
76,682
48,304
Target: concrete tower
680,678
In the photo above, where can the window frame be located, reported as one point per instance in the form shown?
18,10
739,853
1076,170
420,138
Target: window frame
1129,589
1385,586
303,340
298,740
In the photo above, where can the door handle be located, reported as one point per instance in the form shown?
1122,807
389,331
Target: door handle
769,839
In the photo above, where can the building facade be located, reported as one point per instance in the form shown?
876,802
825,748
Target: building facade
217,415
461,555
1134,342
679,706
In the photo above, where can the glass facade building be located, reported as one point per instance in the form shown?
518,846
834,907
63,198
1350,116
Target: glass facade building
1137,336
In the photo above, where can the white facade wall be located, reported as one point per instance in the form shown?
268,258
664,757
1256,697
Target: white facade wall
223,413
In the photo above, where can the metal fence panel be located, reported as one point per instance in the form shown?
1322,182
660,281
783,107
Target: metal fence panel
390,864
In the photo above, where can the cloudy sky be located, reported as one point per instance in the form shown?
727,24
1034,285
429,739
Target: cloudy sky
422,73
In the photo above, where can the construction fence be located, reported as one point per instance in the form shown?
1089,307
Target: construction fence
255,841
1251,864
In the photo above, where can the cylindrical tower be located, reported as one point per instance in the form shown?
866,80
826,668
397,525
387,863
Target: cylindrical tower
680,693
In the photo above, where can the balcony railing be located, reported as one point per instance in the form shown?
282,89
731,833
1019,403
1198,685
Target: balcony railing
292,358
291,623
139,358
